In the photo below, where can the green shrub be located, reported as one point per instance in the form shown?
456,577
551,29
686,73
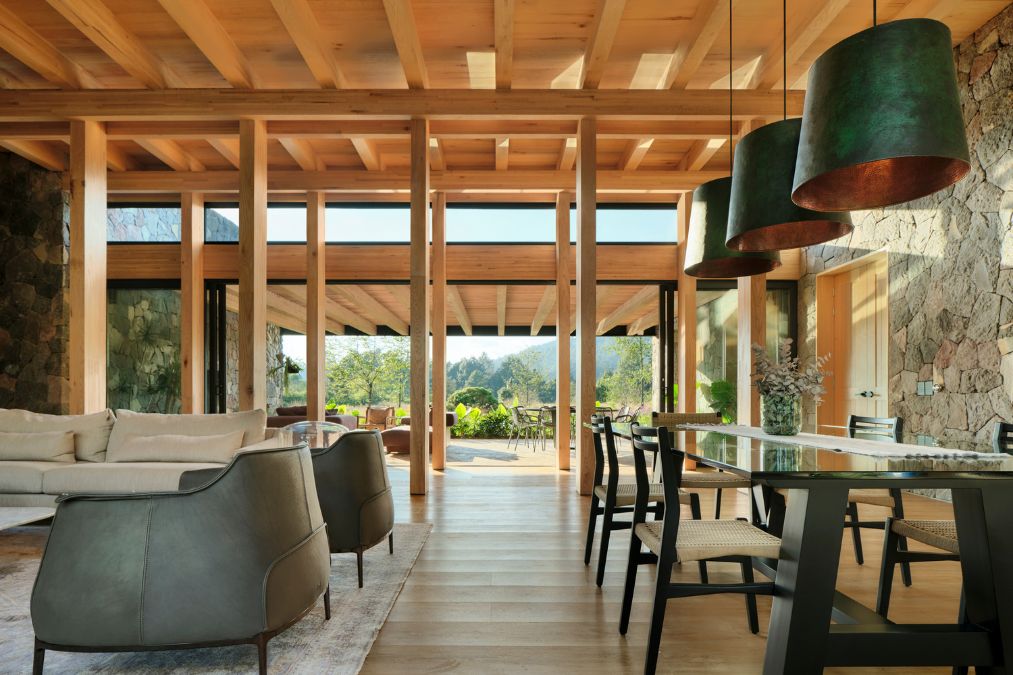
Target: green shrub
399,413
473,397
494,424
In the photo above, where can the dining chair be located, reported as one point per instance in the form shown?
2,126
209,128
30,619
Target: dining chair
708,479
616,496
672,541
546,423
892,428
939,534
523,425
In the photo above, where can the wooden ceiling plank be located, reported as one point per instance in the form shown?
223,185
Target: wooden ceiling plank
303,28
545,307
641,324
634,306
610,15
98,23
502,153
366,149
227,148
437,160
567,155
700,153
118,160
501,307
27,46
456,304
401,19
170,154
929,9
371,308
303,154
634,154
197,20
43,153
711,16
770,70
292,299
503,29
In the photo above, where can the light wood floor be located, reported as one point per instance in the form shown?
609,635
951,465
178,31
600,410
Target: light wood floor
500,587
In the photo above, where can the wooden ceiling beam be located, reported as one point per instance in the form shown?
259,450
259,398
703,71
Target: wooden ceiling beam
503,29
304,30
456,304
368,154
26,45
401,19
634,154
98,23
118,160
437,160
700,153
38,131
303,154
332,104
641,324
170,154
43,153
197,20
227,148
371,308
290,301
711,16
634,306
567,155
655,182
501,307
770,70
609,16
502,153
929,9
545,307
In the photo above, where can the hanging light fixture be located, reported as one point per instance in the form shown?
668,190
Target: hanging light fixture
882,122
706,253
761,215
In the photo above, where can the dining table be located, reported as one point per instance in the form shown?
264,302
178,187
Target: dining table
801,486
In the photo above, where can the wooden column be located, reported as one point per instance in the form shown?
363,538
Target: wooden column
562,431
586,298
191,296
752,329
439,328
87,267
419,275
685,315
252,264
316,305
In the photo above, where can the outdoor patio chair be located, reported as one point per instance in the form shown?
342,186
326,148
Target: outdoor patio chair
523,424
671,541
378,418
616,495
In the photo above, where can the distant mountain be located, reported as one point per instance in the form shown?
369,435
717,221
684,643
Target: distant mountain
545,356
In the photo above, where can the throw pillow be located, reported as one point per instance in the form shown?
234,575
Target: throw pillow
45,446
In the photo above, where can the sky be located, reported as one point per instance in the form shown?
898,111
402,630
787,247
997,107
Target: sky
458,347
466,224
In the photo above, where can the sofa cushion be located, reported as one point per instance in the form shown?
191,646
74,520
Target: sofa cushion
44,446
129,423
220,448
91,432
24,477
118,477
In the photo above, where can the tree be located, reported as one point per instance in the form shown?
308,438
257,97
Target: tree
474,397
630,382
520,373
354,375
397,367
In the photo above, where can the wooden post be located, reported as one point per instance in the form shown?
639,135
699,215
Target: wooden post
562,430
586,298
439,328
419,275
252,264
685,314
87,266
752,329
191,296
316,305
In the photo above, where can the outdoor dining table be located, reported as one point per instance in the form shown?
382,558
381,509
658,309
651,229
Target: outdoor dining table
812,625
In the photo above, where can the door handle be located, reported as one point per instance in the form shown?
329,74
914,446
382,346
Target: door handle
867,394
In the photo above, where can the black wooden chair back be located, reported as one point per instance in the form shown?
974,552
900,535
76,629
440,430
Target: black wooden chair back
1002,437
605,455
656,440
888,426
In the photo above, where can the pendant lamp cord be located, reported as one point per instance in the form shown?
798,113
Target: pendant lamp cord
731,123
784,60
873,13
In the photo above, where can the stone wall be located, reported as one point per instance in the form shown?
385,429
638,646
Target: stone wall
144,338
950,264
153,223
275,358
34,238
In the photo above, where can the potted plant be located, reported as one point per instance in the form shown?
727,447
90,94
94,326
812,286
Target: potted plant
782,383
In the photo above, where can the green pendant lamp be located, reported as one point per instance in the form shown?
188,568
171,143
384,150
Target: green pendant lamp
706,253
761,215
882,122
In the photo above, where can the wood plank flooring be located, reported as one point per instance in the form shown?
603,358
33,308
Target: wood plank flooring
501,587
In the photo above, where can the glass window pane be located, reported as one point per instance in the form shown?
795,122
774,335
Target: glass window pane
368,224
717,351
143,223
631,225
221,224
501,224
143,371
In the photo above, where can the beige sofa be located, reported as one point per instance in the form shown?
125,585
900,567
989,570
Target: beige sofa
43,456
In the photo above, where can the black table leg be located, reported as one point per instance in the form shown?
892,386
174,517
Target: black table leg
985,528
810,554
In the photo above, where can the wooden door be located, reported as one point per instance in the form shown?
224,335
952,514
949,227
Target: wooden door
866,391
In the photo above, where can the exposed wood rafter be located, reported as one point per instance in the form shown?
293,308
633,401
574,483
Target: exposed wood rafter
634,306
368,153
170,154
456,305
501,306
545,306
610,14
227,148
406,38
197,20
303,154
26,45
371,308
303,28
770,69
503,28
711,16
40,152
502,153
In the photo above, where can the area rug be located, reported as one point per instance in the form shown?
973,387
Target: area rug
311,646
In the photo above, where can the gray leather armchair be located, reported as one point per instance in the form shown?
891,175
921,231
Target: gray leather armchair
235,560
355,494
